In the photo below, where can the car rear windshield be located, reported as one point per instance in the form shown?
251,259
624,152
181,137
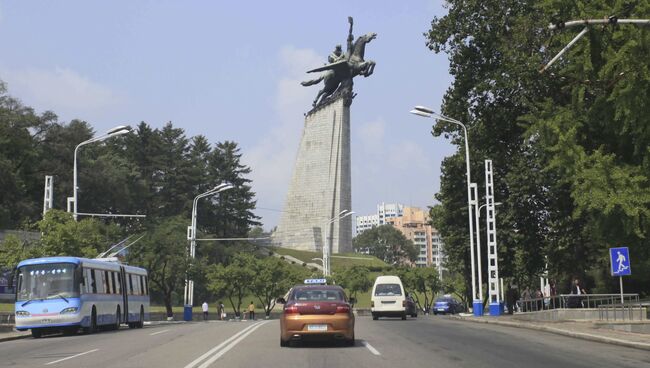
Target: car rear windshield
444,300
318,295
388,290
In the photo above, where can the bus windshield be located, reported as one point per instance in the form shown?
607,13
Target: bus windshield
47,281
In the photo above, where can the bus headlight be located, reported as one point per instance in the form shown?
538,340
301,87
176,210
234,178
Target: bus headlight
22,313
70,310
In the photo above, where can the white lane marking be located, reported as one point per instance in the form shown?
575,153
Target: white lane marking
230,346
216,348
159,332
74,356
370,347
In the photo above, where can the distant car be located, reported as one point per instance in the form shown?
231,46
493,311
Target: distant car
447,305
316,312
411,306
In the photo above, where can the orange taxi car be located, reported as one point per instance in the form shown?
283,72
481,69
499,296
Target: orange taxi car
316,312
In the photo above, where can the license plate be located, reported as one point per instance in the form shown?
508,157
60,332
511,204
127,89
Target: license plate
387,302
316,327
441,309
46,321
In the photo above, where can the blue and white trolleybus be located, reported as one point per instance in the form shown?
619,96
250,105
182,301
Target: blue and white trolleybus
64,294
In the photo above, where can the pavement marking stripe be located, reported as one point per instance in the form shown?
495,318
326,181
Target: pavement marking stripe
230,346
370,347
74,356
216,348
159,332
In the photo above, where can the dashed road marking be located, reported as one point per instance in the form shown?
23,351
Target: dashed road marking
159,332
218,347
370,347
74,356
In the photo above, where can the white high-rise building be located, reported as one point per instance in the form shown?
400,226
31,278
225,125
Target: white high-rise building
389,210
384,212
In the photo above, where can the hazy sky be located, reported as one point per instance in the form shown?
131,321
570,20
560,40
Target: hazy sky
231,71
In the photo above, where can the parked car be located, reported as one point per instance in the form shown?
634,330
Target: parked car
447,305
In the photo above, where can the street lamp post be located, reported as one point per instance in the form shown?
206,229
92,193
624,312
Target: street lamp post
118,130
191,236
327,244
428,113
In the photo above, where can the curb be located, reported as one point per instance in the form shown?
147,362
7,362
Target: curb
14,337
558,331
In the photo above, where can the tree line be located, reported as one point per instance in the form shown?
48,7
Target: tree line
569,147
151,171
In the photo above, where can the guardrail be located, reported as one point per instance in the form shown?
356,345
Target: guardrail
573,301
625,311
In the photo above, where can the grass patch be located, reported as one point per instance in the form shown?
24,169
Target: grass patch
338,260
7,307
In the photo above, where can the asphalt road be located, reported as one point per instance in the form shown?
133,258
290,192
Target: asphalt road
422,342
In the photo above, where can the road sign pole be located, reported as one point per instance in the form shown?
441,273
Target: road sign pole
621,281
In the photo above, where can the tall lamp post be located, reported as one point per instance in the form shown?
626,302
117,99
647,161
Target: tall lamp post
191,236
118,130
327,271
428,113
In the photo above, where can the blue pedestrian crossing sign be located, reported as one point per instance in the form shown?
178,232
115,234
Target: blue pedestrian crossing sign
620,261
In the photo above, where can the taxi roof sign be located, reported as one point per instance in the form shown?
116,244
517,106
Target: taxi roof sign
316,281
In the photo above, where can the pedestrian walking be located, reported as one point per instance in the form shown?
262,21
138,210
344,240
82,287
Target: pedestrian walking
204,306
221,310
576,289
251,311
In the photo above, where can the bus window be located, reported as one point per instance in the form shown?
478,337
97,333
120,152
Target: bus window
109,286
116,282
146,286
130,285
93,281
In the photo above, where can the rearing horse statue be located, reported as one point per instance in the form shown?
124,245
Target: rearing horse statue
338,75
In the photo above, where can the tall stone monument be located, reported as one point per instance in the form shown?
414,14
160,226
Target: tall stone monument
320,187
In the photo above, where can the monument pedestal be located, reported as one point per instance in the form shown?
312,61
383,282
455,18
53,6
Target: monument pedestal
320,186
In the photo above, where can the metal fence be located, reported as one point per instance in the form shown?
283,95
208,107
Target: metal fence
623,312
573,301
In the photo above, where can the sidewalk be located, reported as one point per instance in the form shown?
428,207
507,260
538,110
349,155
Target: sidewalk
581,330
8,335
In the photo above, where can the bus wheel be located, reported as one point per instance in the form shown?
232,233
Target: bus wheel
36,333
140,324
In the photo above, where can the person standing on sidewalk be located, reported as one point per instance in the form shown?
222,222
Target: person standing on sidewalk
221,311
204,306
251,311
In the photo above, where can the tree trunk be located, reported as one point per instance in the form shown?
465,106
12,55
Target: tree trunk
168,304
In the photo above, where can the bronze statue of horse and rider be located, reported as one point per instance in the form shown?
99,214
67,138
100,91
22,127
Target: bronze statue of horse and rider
338,74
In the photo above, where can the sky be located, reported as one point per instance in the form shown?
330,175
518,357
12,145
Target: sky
231,71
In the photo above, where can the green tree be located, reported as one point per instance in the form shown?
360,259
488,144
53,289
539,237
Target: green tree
63,236
13,250
232,281
163,253
355,279
272,278
569,148
386,243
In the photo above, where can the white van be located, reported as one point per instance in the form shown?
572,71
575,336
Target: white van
388,298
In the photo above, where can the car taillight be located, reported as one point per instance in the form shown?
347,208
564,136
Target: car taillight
343,309
291,309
